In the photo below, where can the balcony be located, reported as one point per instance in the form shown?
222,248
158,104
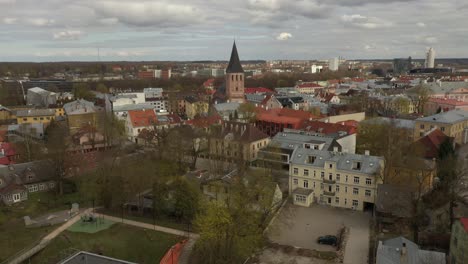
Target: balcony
327,193
328,181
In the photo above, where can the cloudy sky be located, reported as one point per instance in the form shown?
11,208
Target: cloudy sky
56,30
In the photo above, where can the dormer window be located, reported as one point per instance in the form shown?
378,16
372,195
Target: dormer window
311,159
357,165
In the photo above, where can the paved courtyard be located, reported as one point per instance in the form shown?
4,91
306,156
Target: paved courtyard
301,226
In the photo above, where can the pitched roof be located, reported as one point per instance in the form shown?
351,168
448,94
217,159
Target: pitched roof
142,118
447,101
449,117
243,132
326,128
35,112
234,65
309,85
431,142
202,122
283,115
208,82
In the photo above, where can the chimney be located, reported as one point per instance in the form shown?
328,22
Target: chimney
366,152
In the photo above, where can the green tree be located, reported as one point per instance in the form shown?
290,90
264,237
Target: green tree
420,95
82,91
102,88
248,112
186,199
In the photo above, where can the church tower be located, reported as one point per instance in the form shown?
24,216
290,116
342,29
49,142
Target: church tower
235,78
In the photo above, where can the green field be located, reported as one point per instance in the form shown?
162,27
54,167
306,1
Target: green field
14,236
119,241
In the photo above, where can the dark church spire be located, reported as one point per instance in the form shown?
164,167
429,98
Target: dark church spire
234,63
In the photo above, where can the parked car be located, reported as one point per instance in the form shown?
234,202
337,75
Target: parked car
328,240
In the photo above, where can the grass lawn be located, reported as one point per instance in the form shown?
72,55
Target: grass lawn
119,241
163,220
14,236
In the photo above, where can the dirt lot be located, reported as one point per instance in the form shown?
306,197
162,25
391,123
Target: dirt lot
274,256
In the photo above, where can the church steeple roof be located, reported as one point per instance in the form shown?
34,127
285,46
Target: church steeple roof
234,63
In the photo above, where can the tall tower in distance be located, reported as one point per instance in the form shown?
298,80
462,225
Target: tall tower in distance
235,78
333,64
430,58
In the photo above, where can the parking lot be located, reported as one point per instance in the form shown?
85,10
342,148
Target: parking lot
301,226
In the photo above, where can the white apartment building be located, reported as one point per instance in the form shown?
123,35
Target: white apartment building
334,178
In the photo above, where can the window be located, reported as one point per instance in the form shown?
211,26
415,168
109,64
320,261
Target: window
337,188
421,126
356,165
306,184
48,118
329,200
311,159
51,185
296,171
421,134
41,118
300,198
306,172
346,179
35,118
346,189
337,199
295,181
314,174
368,193
330,176
355,191
321,186
356,180
25,119
41,187
442,129
345,201
314,185
322,174
337,177
368,181
355,203
330,166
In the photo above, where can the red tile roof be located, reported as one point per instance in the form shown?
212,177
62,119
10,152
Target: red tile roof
257,90
464,222
326,128
432,142
208,82
204,121
283,115
358,79
142,118
447,101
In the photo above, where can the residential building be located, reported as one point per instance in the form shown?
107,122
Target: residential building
333,64
238,141
430,58
452,123
335,178
5,114
234,78
316,68
8,153
435,105
148,74
228,111
457,90
278,153
139,120
400,250
17,180
194,106
80,113
308,88
430,143
358,117
34,116
270,101
459,242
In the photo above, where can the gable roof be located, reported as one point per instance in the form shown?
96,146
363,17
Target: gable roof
449,117
253,90
327,128
234,65
243,132
431,142
142,118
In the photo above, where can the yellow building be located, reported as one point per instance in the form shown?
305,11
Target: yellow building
194,107
452,123
334,178
59,112
5,114
237,141
33,116
80,113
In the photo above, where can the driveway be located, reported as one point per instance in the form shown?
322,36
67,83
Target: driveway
301,226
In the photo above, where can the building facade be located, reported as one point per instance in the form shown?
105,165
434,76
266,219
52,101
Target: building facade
336,179
34,116
459,242
453,123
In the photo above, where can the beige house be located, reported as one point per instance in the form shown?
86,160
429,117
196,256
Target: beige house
333,178
195,107
453,123
237,141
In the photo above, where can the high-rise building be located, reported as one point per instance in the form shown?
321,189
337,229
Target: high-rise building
235,78
333,64
430,58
